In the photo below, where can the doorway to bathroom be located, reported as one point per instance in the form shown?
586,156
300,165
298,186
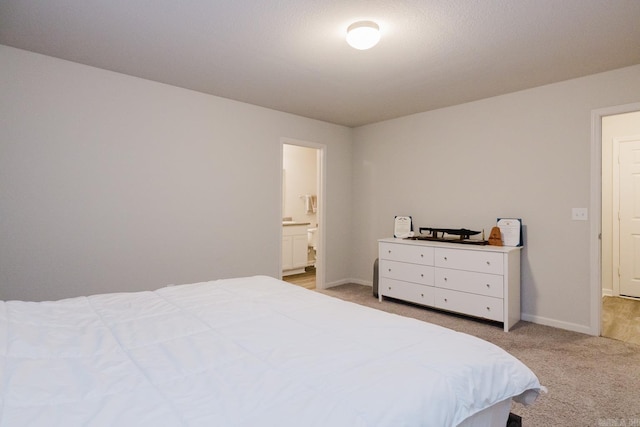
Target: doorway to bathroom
619,137
302,213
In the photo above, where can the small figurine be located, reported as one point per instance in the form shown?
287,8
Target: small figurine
495,238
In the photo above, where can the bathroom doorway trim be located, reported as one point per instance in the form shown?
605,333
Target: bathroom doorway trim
321,214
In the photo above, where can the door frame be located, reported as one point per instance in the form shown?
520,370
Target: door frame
595,253
321,214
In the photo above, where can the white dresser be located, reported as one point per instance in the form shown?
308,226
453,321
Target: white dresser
480,281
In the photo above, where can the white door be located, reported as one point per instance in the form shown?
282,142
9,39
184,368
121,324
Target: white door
629,214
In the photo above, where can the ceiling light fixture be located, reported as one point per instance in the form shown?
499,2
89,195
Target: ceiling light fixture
363,35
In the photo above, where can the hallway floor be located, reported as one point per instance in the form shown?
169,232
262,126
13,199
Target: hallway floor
621,319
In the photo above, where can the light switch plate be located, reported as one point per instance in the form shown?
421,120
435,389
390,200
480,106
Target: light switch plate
579,214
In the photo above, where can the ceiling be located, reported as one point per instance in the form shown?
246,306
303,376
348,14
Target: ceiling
290,55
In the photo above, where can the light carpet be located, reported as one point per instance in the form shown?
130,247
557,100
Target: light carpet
592,381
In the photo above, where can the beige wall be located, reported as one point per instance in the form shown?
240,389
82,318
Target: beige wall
525,155
114,183
617,126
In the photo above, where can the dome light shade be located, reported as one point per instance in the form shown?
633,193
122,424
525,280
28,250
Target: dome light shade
363,35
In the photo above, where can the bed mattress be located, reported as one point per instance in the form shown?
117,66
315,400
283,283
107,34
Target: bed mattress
242,352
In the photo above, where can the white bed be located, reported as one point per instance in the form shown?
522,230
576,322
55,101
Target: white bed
250,351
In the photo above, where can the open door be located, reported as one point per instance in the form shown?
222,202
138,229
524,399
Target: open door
629,216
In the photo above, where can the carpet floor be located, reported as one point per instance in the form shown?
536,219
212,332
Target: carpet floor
592,381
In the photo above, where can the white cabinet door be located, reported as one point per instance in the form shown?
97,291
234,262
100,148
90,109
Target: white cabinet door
287,252
299,251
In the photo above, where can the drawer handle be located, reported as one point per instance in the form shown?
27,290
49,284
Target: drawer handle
421,275
445,258
389,287
445,300
421,255
488,308
445,279
488,263
422,295
389,250
389,269
488,285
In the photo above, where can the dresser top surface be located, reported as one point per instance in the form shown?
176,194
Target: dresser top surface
436,244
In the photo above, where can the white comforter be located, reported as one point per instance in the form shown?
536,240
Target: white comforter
240,352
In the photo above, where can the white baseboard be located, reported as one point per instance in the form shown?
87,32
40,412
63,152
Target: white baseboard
607,292
524,316
361,282
556,323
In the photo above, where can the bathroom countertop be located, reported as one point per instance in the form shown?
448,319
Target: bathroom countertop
290,223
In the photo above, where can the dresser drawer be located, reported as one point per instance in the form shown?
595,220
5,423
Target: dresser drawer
491,285
480,261
474,305
411,292
414,254
415,273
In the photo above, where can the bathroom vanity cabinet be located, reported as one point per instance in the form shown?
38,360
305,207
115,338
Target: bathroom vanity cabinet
294,248
480,281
